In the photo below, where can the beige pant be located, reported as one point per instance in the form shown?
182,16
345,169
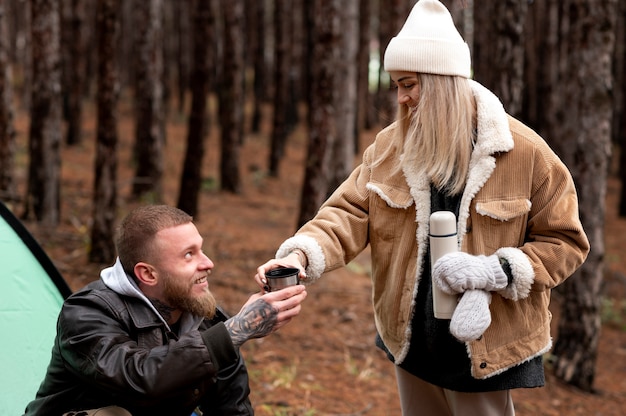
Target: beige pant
419,398
103,411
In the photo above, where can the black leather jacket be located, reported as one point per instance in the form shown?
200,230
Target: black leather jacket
113,349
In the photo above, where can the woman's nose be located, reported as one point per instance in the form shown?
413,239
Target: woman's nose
403,98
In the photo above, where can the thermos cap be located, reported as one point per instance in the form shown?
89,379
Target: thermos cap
442,223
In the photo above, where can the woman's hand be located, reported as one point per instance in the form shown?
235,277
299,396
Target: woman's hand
293,259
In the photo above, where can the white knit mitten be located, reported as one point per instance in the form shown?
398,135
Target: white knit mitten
458,271
472,316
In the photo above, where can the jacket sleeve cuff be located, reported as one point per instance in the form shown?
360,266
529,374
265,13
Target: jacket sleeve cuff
522,273
313,251
220,346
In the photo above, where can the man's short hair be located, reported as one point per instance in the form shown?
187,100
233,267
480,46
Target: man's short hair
136,232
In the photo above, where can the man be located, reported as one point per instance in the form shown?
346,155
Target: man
147,338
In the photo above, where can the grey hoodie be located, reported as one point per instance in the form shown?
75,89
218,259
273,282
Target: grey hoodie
116,279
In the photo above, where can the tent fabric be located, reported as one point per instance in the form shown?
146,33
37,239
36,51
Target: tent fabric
32,292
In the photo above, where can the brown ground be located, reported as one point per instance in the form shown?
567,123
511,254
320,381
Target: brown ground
324,362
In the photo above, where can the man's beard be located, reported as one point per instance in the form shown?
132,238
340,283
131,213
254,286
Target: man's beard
178,296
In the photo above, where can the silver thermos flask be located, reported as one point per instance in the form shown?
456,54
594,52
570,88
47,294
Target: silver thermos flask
443,240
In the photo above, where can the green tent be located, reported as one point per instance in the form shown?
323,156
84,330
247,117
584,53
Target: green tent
31,294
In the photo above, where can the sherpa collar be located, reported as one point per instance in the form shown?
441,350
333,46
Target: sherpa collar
493,136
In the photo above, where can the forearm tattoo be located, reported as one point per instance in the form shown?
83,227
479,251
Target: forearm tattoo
254,321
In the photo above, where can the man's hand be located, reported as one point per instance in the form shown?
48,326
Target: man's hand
457,272
265,313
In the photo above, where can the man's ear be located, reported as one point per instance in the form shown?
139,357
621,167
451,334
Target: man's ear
146,274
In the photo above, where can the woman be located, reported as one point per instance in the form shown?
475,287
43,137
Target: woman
453,148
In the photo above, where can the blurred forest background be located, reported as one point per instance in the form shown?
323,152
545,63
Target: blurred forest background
243,68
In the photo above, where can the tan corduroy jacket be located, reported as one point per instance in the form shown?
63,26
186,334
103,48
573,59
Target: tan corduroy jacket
519,202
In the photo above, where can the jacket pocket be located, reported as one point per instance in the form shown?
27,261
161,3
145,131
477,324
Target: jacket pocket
390,210
503,210
502,223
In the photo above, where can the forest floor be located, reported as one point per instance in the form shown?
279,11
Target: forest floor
324,362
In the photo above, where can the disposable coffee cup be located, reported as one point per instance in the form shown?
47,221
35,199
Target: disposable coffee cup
281,278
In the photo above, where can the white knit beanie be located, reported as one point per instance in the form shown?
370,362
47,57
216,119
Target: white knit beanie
429,43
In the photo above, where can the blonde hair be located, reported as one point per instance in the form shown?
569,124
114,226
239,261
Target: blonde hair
439,135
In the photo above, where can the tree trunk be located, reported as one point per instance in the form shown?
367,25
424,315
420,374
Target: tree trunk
499,50
168,55
584,144
182,11
298,52
544,60
43,194
620,118
105,178
363,69
203,35
533,38
282,30
23,49
232,95
7,130
346,97
127,48
258,58
149,127
392,14
76,55
90,71
325,38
